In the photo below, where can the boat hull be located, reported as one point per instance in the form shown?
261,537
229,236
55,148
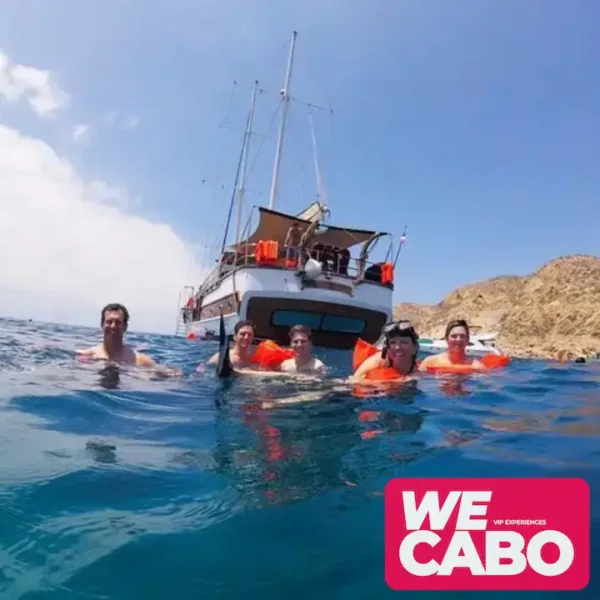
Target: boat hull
338,311
439,346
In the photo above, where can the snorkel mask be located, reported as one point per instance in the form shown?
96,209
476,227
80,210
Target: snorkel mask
401,328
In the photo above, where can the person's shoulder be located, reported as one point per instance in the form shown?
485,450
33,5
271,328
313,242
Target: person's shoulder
433,359
318,364
428,361
143,360
289,364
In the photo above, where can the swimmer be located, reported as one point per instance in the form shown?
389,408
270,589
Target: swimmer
457,337
399,352
114,320
303,361
241,353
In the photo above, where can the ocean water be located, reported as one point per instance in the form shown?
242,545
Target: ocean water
117,485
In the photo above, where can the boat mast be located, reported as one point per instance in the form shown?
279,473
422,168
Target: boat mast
244,165
286,99
236,183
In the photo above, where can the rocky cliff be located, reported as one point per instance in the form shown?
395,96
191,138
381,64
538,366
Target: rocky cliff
552,313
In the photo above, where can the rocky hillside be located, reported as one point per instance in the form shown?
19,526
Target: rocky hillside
552,313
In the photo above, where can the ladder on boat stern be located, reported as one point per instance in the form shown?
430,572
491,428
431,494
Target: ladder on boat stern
183,326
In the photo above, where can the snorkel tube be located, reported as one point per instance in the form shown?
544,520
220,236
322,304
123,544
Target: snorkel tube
224,366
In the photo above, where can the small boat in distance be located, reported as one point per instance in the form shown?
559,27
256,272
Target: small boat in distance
479,345
327,280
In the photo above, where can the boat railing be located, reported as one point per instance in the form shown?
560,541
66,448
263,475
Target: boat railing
336,262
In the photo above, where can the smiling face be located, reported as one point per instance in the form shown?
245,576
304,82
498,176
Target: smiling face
113,325
401,350
457,339
243,338
301,345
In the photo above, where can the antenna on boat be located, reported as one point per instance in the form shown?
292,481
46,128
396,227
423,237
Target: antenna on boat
244,164
318,175
401,243
285,94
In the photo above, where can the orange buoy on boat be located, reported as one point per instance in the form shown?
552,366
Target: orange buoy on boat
387,273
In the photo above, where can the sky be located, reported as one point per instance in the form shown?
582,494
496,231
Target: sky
476,124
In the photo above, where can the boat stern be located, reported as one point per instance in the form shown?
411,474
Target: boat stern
333,325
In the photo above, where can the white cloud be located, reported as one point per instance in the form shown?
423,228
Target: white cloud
116,196
82,133
38,87
68,247
114,119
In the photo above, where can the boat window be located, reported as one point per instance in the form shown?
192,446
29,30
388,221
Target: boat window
318,322
342,324
289,318
425,341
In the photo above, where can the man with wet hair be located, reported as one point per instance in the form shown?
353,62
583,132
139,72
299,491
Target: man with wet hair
457,338
114,320
303,361
241,352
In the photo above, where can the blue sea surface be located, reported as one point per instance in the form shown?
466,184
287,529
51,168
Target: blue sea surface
115,484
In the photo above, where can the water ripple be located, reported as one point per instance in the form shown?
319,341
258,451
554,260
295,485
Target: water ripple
117,484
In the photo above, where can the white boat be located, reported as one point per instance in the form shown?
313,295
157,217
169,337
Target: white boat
479,345
335,289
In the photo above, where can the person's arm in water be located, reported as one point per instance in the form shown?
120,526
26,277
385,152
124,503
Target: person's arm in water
212,361
87,352
144,361
373,362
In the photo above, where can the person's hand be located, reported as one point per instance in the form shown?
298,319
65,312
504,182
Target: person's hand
168,372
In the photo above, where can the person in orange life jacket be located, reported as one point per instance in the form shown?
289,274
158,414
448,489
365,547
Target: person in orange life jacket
457,337
399,352
303,361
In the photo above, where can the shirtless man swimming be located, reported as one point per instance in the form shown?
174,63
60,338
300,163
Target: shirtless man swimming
114,320
303,361
241,352
457,337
